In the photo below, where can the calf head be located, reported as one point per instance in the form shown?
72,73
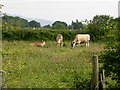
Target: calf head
59,38
73,43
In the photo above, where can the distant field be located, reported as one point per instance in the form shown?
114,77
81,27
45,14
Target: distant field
47,67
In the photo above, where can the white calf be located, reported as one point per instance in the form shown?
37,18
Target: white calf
81,38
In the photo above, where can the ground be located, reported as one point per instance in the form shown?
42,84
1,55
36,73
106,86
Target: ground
47,67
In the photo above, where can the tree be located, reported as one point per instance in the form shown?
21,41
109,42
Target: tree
47,26
59,25
99,26
34,24
70,27
103,21
15,21
10,21
77,25
85,27
111,56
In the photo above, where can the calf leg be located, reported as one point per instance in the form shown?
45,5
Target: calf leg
58,44
73,45
87,44
77,44
61,44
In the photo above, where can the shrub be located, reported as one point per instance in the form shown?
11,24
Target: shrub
110,58
39,34
81,82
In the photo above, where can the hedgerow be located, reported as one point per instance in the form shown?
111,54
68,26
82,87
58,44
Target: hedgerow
39,34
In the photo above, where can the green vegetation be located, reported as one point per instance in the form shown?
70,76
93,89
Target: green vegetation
110,57
39,34
77,25
49,66
100,26
34,24
59,25
16,23
15,28
55,67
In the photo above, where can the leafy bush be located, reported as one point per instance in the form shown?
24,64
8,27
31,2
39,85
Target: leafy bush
29,34
39,34
95,32
100,26
110,57
81,82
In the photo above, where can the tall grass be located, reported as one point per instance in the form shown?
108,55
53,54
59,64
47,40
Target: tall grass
47,67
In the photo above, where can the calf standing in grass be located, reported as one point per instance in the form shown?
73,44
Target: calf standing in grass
39,44
81,38
59,40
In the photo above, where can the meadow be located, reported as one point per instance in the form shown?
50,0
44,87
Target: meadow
48,67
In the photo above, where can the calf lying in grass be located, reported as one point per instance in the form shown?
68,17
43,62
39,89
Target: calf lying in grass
39,44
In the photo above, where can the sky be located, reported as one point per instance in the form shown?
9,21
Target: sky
61,10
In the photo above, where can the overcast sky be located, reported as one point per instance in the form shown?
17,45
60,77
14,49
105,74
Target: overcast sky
63,10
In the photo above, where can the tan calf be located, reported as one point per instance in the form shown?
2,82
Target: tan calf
59,40
39,44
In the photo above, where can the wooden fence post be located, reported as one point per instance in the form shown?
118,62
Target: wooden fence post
104,85
95,72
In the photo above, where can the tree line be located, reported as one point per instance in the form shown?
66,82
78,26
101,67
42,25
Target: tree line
98,27
102,21
11,22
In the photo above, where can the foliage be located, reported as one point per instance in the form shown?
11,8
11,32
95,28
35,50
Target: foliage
7,26
77,25
47,26
81,81
101,25
59,25
101,19
110,57
15,21
85,27
95,32
34,24
26,34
